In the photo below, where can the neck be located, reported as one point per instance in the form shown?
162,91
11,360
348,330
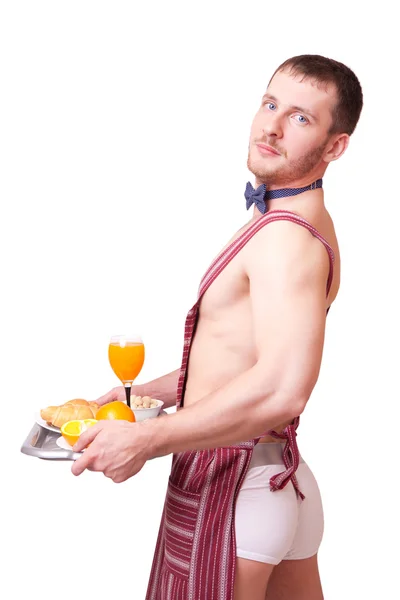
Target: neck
305,204
290,183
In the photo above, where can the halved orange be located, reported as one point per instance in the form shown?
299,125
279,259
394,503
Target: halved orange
71,430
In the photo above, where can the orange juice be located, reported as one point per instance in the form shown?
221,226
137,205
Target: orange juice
126,360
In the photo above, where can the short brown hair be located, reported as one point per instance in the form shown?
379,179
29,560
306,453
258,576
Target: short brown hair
326,70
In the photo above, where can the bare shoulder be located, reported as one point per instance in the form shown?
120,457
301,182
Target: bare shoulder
293,250
285,242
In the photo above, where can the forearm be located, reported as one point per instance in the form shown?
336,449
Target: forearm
243,409
164,388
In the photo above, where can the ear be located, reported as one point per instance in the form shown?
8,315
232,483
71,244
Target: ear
336,147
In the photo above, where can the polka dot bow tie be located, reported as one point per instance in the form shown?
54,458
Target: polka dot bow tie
261,194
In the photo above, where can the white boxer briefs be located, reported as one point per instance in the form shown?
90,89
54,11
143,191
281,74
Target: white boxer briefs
274,526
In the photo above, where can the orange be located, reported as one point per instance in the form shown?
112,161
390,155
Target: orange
71,430
115,410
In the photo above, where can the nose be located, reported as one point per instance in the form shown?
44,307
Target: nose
272,126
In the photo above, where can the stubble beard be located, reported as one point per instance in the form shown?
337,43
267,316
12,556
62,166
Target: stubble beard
266,173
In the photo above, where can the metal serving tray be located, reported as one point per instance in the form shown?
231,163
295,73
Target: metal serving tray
41,442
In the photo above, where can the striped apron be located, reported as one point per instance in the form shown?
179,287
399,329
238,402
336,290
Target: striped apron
196,548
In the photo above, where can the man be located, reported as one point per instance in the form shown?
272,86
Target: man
243,517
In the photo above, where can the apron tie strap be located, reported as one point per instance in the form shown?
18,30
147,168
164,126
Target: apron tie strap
291,458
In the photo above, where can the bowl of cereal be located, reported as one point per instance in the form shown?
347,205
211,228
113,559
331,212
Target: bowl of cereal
145,407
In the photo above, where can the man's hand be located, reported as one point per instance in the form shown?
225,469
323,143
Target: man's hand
117,448
117,393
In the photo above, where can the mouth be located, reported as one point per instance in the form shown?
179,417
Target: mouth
267,150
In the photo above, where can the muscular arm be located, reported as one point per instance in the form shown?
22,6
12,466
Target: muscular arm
287,269
164,388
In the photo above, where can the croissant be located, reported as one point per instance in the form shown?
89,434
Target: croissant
71,410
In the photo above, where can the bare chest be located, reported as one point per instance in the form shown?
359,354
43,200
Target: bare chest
229,288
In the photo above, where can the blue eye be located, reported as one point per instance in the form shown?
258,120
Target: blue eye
304,120
268,104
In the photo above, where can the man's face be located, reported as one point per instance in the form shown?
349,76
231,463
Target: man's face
294,120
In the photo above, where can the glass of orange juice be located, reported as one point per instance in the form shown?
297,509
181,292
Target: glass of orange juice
126,356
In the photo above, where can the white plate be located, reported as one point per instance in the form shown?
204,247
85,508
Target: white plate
43,423
62,443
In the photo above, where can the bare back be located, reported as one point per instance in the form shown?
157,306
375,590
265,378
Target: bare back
223,346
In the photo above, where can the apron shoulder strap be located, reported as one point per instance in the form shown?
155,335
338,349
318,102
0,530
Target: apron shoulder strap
218,265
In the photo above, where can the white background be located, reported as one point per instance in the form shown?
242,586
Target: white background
124,130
